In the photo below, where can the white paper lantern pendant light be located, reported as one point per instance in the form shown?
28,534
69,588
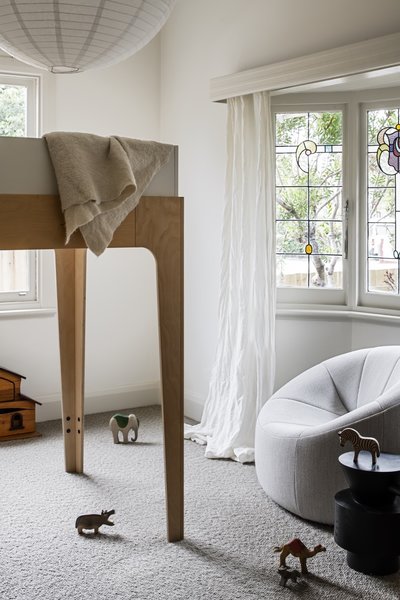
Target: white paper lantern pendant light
69,36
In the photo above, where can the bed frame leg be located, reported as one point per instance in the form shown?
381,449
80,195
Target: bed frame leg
159,227
71,288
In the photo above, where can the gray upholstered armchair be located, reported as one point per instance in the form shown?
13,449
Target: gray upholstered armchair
297,444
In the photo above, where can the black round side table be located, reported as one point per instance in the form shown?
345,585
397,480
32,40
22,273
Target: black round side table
367,515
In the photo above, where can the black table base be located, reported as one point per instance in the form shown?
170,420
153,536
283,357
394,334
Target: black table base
370,534
373,565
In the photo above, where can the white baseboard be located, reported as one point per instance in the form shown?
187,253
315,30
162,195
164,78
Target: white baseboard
104,400
194,406
116,399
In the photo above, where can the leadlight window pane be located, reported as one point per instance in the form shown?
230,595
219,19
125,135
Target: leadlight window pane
309,208
383,198
325,203
325,168
331,267
378,119
291,129
377,178
291,203
327,236
381,205
325,128
292,271
382,277
287,170
290,236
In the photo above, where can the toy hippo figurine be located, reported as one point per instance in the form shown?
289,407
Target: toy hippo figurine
124,423
94,521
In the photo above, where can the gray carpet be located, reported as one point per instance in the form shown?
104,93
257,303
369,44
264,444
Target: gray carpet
231,527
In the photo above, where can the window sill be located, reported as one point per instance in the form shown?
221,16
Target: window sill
363,314
13,313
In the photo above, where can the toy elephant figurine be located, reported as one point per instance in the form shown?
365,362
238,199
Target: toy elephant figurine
124,423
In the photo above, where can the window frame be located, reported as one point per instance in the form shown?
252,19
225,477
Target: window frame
17,301
288,296
367,298
355,104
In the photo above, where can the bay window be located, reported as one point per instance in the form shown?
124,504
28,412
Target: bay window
337,160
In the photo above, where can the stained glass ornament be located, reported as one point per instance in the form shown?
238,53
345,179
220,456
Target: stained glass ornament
303,150
388,153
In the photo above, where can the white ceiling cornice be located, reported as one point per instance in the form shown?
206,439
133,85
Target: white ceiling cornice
355,58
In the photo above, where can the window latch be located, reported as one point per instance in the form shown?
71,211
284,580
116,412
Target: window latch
346,230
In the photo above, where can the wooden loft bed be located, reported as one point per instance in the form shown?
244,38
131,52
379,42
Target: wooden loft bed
31,218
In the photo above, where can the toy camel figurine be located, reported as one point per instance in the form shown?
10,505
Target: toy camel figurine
286,574
296,548
94,521
359,442
124,423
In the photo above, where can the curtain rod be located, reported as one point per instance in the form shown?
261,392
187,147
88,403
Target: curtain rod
360,57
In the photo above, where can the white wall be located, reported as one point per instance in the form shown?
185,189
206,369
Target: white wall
121,331
168,100
208,39
122,365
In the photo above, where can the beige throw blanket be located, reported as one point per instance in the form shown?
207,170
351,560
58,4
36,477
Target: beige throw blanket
100,180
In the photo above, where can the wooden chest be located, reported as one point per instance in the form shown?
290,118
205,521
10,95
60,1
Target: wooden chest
17,418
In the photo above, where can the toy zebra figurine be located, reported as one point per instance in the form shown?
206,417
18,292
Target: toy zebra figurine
359,442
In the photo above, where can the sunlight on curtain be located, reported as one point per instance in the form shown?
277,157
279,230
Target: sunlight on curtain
243,373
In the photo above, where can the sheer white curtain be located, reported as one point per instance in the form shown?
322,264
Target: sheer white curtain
243,373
